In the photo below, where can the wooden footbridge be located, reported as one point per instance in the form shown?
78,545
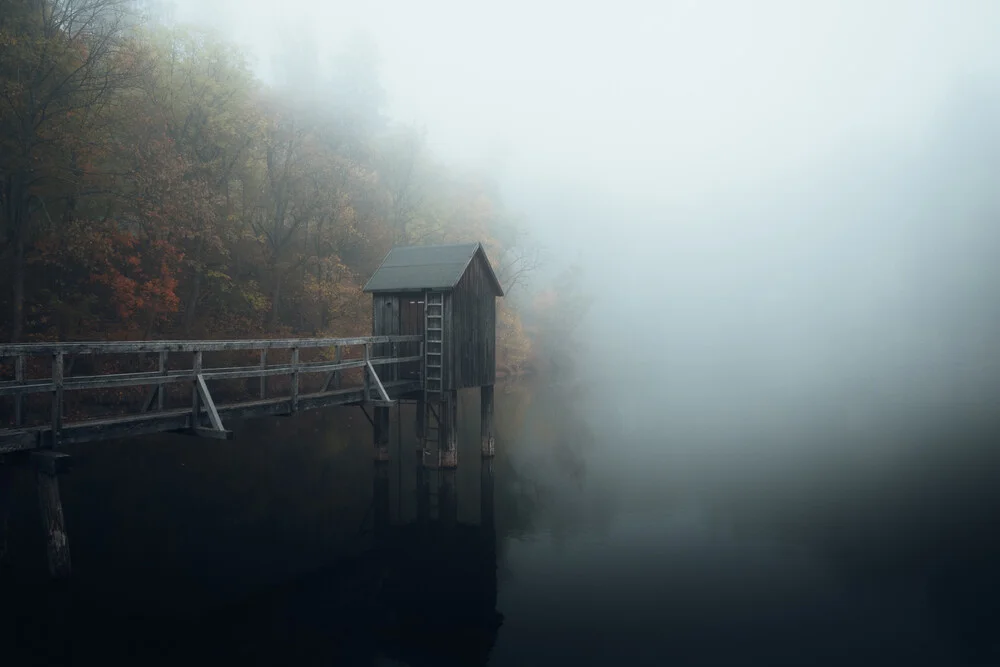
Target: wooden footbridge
434,333
204,416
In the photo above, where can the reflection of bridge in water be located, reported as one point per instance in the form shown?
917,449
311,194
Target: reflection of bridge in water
423,591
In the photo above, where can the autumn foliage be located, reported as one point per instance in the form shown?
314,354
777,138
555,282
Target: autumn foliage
153,187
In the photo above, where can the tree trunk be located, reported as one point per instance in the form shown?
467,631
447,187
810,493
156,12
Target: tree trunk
275,301
192,306
17,326
151,322
15,211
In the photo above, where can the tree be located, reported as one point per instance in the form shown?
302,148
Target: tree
400,166
64,60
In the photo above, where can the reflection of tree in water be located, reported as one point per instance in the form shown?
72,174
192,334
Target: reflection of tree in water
544,438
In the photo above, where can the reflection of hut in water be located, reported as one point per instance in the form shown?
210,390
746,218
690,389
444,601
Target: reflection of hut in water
424,592
440,595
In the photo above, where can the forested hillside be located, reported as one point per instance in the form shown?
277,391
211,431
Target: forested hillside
153,187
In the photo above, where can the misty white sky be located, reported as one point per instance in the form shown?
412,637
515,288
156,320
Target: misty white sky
770,198
672,100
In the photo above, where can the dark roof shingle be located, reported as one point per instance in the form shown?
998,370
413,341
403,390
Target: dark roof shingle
425,267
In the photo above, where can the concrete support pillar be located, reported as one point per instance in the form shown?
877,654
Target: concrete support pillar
486,421
448,445
380,428
48,466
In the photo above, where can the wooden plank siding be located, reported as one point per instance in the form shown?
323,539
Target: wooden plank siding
411,323
469,289
473,328
447,347
385,322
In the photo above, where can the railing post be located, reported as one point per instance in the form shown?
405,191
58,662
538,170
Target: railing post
295,379
368,385
163,387
19,398
336,360
57,397
195,399
263,378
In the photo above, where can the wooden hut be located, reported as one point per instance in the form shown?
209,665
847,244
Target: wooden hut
447,293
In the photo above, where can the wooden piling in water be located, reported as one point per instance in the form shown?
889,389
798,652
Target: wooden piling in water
486,420
48,466
421,422
448,435
380,429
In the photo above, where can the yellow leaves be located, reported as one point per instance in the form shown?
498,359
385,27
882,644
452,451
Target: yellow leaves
514,348
254,298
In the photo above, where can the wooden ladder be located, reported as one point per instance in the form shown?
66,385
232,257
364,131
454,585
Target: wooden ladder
433,346
432,427
433,366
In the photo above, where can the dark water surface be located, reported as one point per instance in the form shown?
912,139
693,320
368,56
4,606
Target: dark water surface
600,534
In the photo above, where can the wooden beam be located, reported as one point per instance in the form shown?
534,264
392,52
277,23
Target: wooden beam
448,442
206,397
48,465
52,463
367,416
57,398
263,378
195,405
155,377
156,391
18,400
380,430
120,347
180,419
334,377
160,389
295,379
19,440
378,383
421,419
488,444
367,378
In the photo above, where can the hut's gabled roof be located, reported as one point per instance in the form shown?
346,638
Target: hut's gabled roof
433,267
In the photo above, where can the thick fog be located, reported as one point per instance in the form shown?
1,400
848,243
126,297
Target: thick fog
782,209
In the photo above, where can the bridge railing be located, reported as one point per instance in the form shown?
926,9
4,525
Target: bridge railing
58,382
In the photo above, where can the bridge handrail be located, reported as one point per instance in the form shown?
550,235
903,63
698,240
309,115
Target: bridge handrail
124,347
